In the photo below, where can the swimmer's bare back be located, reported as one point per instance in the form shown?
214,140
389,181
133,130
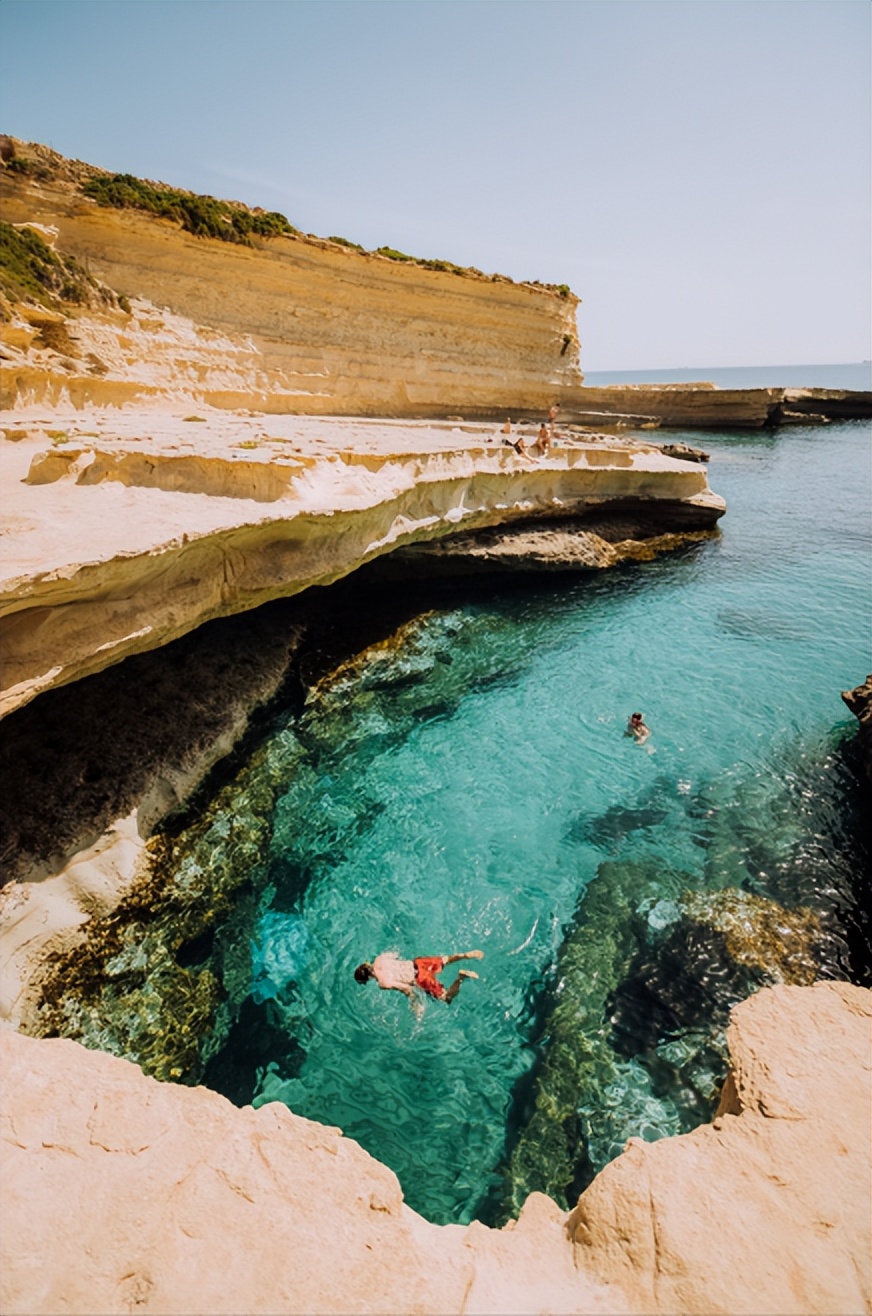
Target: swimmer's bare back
393,974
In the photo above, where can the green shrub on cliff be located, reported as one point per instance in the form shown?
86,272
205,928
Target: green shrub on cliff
31,272
203,216
393,254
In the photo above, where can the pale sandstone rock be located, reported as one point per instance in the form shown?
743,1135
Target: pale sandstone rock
124,1194
766,1210
118,542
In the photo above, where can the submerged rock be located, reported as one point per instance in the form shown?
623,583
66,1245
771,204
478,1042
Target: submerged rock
646,979
140,981
685,452
579,1067
721,947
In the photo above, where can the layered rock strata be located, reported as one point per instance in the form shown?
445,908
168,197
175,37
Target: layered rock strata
298,324
120,540
703,406
182,1203
322,327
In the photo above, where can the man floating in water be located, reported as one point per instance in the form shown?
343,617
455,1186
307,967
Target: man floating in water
637,729
393,974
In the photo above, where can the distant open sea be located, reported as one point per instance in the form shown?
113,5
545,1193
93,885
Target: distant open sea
857,375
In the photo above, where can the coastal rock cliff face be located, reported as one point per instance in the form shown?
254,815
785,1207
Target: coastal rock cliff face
329,329
121,1192
121,541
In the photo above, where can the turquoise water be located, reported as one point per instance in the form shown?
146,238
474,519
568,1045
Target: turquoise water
462,786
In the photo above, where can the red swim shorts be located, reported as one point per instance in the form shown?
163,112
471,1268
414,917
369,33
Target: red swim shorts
425,969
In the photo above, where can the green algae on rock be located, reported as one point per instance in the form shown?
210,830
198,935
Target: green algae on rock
137,984
645,984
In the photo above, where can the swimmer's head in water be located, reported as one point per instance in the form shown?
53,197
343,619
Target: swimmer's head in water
363,973
637,717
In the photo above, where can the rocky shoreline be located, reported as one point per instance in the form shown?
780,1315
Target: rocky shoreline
184,1203
122,540
859,701
188,459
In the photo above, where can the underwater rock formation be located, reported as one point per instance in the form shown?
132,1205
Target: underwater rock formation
135,980
579,1067
645,983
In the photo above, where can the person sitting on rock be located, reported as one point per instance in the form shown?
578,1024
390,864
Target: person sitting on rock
636,728
520,448
393,974
543,440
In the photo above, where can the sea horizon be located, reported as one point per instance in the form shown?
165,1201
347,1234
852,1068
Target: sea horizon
848,375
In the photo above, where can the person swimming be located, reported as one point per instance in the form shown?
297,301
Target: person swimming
393,974
637,729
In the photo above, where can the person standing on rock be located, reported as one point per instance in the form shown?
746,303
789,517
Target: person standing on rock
393,974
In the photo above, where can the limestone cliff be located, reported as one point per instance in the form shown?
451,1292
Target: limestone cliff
329,329
123,1193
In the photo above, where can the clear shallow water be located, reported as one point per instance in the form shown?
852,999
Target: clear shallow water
463,786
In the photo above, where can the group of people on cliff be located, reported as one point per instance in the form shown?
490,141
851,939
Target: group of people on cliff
544,439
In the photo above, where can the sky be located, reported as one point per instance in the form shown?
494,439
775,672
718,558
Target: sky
698,171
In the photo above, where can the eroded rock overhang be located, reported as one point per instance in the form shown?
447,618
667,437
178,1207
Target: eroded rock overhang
119,541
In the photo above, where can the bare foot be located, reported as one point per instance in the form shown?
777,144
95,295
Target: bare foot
474,955
466,973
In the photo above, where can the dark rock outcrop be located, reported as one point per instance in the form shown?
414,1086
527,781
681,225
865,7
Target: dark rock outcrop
859,700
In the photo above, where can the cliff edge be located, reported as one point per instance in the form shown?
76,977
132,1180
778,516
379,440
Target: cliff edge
122,1194
316,325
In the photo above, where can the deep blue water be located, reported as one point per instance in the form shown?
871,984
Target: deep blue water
856,376
462,785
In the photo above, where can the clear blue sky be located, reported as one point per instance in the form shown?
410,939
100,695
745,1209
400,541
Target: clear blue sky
697,170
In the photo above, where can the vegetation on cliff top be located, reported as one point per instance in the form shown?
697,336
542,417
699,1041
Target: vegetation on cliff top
201,215
30,271
230,221
205,216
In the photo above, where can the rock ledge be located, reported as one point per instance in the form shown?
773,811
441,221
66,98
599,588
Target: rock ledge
123,1193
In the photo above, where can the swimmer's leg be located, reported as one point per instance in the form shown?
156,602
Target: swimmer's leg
455,986
464,955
